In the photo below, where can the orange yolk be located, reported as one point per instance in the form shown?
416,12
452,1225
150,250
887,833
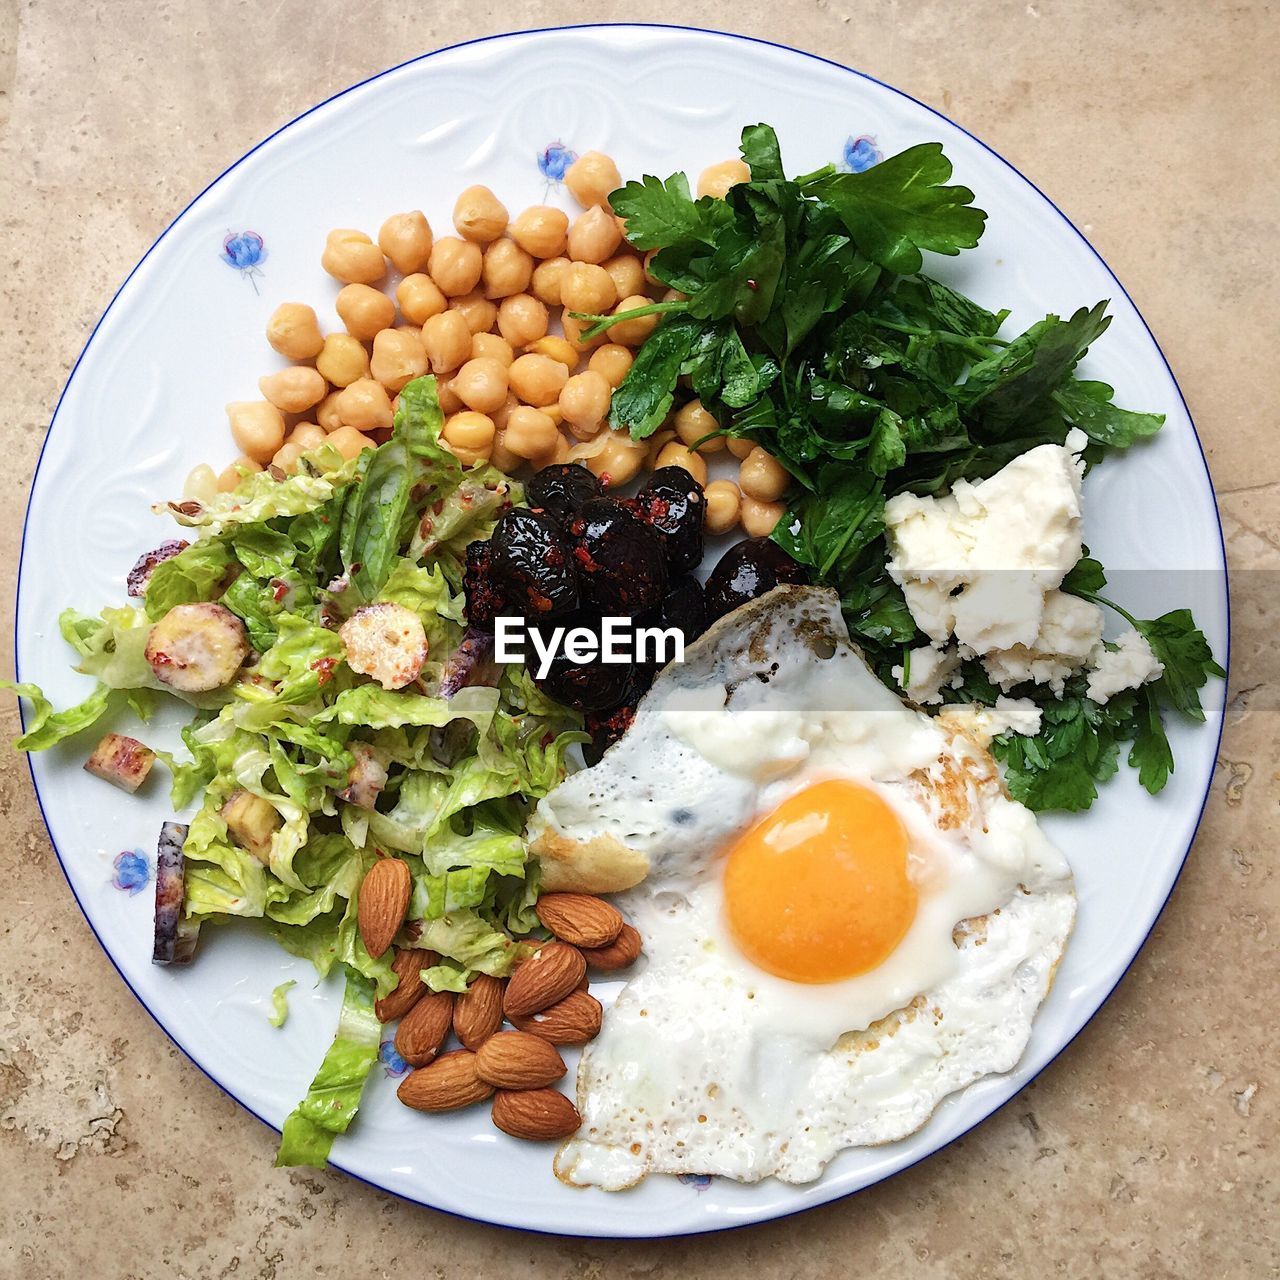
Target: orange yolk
818,890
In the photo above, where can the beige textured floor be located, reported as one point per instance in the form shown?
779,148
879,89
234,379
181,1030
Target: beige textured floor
1150,1147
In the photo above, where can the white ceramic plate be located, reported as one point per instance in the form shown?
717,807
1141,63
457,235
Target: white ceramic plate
184,335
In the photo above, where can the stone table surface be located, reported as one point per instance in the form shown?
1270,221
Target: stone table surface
1149,1148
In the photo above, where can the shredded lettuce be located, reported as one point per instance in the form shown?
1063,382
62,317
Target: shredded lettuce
456,774
333,1099
280,1002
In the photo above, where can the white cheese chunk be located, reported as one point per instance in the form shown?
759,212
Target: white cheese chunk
930,670
1128,666
1070,630
981,724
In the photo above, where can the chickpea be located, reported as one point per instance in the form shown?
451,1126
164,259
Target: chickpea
293,390
350,256
398,358
722,506
307,435
231,477
613,360
591,177
716,179
557,348
530,433
507,269
740,448
473,431
676,455
257,427
541,231
617,462
343,360
655,445
327,412
631,333
692,422
522,319
584,401
626,272
546,280
294,331
365,311
420,298
365,405
759,518
538,380
490,346
447,341
594,236
481,384
589,288
479,216
479,312
573,331
286,458
501,456
455,265
647,259
762,477
448,397
503,411
406,239
350,443
201,483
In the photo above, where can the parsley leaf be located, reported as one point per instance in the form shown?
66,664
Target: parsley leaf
900,206
1188,661
1150,754
760,150
1088,405
645,397
660,214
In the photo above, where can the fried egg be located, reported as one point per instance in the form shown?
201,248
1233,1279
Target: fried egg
845,917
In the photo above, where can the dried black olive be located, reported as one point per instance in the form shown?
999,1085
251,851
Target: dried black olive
605,729
586,686
561,490
484,598
747,570
672,504
532,564
684,606
620,560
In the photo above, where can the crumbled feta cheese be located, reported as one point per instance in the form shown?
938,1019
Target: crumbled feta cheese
931,668
976,563
1070,629
981,724
1128,666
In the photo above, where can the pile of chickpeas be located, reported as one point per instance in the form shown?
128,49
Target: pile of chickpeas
477,310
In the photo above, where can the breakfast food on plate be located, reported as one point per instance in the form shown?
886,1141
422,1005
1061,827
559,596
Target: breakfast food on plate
845,917
833,906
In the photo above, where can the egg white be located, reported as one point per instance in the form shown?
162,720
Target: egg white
708,1064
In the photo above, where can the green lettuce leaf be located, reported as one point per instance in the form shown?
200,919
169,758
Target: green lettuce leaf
333,1099
47,727
280,1002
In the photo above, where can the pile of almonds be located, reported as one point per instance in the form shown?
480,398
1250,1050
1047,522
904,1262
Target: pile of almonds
546,1000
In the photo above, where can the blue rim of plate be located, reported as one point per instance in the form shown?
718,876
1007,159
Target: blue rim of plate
724,35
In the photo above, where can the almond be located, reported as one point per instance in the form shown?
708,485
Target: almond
477,1014
517,1060
423,1029
574,1020
537,1115
579,918
619,954
408,965
384,898
546,977
448,1083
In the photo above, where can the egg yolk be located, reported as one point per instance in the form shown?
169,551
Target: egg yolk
818,890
